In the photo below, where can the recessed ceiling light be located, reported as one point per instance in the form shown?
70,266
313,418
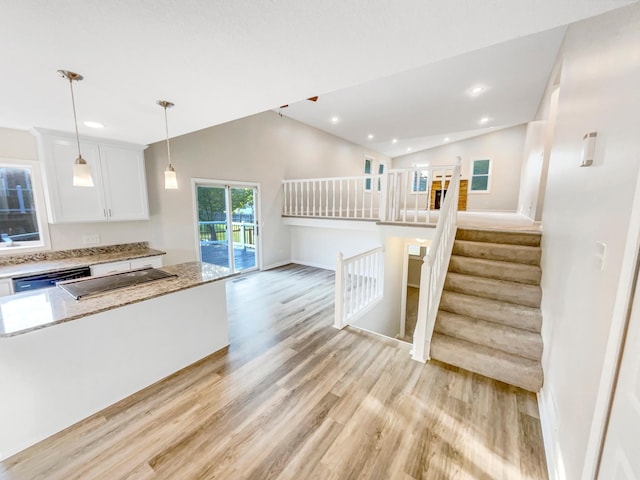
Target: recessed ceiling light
476,90
370,136
484,120
395,140
446,139
408,149
94,124
334,120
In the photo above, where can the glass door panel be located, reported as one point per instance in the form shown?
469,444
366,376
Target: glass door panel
244,228
212,225
227,226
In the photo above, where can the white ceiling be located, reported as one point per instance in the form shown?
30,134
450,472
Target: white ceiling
221,60
422,107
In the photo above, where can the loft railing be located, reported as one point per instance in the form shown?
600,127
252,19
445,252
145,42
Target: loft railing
359,285
434,269
336,197
397,196
413,194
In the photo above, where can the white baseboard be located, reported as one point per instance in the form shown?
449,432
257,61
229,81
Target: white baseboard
276,265
548,421
313,264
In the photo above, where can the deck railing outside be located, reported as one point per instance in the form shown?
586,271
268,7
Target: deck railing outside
359,285
397,196
434,269
216,232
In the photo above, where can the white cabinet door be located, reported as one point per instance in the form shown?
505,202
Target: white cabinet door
124,182
109,268
66,203
147,262
6,288
120,188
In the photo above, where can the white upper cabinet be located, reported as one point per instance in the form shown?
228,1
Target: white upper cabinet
120,188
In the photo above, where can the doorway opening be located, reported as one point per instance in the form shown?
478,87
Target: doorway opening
227,229
414,256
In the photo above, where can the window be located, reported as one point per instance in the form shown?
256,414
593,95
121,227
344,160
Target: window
20,219
480,173
419,182
380,172
368,168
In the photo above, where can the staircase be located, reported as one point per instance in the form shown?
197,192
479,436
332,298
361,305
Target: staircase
489,318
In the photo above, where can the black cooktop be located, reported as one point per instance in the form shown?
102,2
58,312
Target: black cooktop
95,285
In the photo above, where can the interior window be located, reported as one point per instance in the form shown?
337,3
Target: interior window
368,166
480,175
419,182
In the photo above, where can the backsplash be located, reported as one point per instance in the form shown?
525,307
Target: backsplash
77,252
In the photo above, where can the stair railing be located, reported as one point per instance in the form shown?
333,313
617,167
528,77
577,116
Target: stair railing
411,195
359,285
434,268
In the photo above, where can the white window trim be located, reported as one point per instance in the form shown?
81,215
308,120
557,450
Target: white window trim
41,211
489,175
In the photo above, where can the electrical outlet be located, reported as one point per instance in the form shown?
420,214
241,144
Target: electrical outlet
91,239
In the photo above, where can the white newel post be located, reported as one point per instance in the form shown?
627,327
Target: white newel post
338,294
422,346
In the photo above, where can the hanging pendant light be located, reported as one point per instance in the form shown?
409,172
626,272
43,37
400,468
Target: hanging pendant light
170,178
81,170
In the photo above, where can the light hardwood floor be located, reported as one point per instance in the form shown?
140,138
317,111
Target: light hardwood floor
294,398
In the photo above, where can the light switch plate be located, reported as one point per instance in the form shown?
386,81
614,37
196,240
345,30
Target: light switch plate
91,239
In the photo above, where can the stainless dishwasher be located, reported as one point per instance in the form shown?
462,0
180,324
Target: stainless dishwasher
44,280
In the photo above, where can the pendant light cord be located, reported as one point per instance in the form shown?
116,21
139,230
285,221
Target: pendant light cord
75,119
166,127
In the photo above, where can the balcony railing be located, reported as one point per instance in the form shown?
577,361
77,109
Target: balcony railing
398,196
216,232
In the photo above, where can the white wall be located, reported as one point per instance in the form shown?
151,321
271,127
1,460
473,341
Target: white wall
504,148
385,317
263,148
598,92
20,144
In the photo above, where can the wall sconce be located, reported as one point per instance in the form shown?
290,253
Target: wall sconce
588,149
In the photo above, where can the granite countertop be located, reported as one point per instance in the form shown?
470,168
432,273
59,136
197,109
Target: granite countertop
86,259
28,311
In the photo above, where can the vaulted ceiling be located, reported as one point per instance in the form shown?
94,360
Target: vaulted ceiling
222,60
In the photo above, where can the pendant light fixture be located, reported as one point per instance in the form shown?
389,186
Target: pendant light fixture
81,171
170,178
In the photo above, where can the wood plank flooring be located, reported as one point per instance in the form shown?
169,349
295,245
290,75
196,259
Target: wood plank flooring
294,398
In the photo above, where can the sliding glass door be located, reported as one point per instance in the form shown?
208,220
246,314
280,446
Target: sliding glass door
227,225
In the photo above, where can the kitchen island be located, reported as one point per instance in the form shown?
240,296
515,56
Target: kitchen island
62,360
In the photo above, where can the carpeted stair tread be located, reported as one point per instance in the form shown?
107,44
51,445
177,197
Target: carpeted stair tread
514,370
531,239
511,340
513,272
509,314
511,292
498,251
